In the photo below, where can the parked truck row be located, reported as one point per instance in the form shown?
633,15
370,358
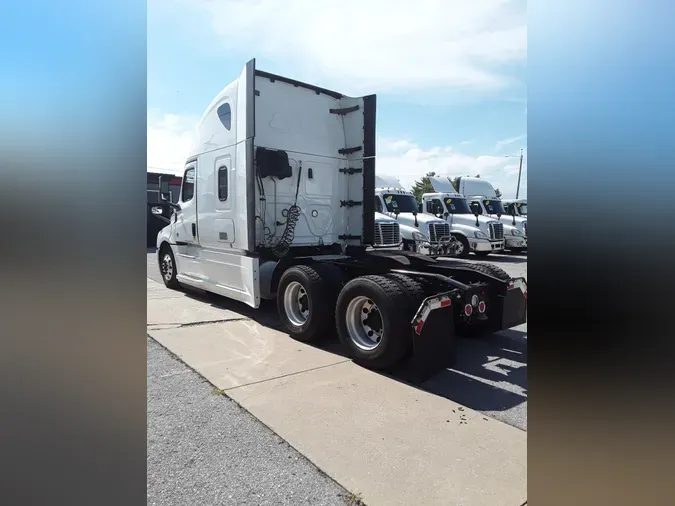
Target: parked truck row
279,201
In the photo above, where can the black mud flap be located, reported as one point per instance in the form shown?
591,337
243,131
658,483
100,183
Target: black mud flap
433,333
514,310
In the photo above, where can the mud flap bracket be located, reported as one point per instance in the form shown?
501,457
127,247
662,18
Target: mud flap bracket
433,334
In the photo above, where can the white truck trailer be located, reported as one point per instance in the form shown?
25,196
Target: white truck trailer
277,202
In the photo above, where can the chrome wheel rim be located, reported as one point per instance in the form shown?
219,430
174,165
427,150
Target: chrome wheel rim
296,304
167,267
460,247
364,323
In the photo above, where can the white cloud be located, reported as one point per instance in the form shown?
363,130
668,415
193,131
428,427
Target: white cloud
507,142
408,162
170,139
357,46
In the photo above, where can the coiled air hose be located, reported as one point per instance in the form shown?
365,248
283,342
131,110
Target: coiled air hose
283,245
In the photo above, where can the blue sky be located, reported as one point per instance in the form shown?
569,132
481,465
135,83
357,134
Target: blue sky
449,74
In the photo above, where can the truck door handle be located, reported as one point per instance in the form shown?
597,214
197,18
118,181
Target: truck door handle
194,230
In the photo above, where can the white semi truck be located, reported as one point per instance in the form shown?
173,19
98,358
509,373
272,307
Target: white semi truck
278,202
517,207
387,233
484,201
422,233
480,235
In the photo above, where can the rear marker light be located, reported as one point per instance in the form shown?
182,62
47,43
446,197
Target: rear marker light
525,294
446,303
418,329
481,307
468,310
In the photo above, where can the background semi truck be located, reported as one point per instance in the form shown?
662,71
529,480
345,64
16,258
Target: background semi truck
515,206
387,233
278,202
484,200
480,235
422,233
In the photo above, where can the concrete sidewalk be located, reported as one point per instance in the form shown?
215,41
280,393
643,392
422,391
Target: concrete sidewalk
388,441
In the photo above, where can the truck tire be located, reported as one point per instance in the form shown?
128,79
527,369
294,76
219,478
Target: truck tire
413,289
373,321
463,248
305,300
167,267
491,270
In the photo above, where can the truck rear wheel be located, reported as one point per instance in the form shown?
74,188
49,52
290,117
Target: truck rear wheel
412,288
373,321
492,270
463,248
305,300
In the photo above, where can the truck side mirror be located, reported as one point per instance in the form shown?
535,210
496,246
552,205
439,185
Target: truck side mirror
446,214
415,215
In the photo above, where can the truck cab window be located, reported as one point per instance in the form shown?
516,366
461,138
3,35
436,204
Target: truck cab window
188,185
434,207
378,204
225,115
494,206
455,205
401,203
222,183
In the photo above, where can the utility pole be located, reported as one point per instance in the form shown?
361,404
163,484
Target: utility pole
520,170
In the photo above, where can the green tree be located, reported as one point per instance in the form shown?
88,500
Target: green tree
423,186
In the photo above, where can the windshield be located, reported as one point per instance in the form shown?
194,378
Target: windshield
494,206
402,203
456,205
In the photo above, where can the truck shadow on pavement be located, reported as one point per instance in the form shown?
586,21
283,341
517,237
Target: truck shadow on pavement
487,374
